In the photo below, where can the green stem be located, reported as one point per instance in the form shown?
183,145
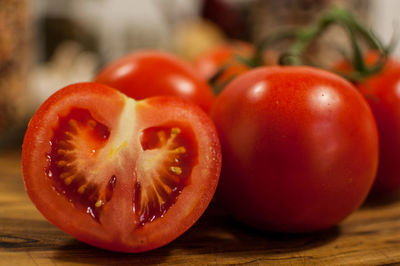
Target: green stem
358,60
343,18
308,34
305,37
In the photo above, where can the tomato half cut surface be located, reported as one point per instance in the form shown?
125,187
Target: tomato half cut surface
117,173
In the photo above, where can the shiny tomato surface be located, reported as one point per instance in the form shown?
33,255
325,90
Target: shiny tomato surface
144,74
300,148
117,173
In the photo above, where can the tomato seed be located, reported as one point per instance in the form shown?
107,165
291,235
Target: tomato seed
99,203
91,123
82,188
68,146
175,131
179,150
176,170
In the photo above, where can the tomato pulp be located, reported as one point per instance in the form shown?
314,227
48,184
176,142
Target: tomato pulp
145,74
117,173
300,148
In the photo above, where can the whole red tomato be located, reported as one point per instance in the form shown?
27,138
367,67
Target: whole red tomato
145,74
300,148
382,92
117,173
224,58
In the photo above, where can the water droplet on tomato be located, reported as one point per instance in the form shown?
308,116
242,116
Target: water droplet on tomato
91,213
110,187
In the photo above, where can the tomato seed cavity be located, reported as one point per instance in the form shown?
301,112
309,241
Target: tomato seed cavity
77,136
163,169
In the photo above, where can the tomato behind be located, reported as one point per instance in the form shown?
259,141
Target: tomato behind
144,74
224,55
222,63
117,173
300,148
382,91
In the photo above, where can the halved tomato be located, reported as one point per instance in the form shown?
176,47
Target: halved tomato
117,173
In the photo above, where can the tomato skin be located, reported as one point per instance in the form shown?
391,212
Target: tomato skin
145,74
300,148
383,95
116,229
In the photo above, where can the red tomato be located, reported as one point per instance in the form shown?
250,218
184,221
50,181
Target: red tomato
224,56
117,173
300,148
382,92
152,73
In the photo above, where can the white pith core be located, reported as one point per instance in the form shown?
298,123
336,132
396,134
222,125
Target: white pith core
123,134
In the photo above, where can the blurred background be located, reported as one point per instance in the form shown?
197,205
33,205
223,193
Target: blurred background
48,44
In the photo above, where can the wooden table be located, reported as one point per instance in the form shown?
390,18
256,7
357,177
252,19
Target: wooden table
369,236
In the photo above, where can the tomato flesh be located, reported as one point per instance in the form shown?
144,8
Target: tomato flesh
117,173
164,169
78,135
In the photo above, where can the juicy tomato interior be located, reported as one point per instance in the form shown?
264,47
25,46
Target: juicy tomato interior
77,137
165,166
117,173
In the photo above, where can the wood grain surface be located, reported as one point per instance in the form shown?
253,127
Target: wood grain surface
370,236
